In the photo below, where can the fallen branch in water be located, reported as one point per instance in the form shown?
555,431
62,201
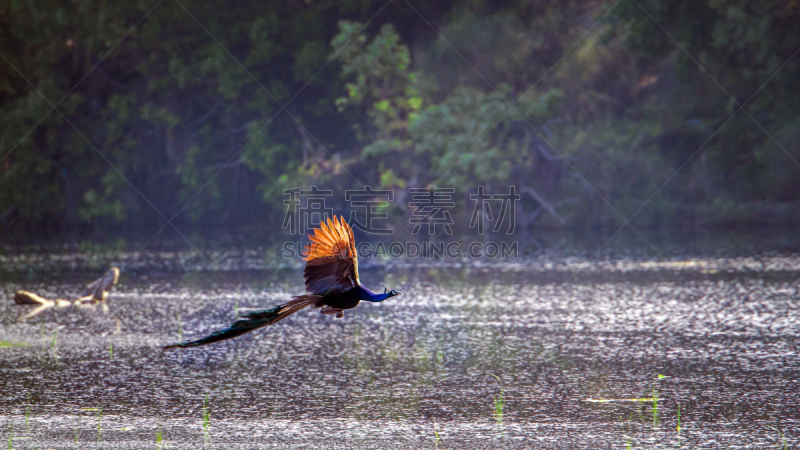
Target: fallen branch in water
95,292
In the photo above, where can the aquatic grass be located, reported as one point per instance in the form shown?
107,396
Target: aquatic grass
180,326
159,437
628,438
783,445
653,400
436,435
679,421
498,402
206,420
99,425
11,344
99,412
438,359
498,407
54,346
54,342
10,435
206,413
111,352
656,420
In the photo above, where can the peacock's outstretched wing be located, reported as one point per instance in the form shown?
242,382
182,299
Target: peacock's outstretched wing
331,261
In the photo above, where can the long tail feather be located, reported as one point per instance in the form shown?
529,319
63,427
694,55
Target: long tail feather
252,321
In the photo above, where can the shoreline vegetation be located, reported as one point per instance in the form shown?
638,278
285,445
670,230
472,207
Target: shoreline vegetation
595,111
717,216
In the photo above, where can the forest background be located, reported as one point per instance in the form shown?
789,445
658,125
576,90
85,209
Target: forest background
128,114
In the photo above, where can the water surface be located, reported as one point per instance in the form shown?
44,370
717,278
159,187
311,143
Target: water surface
475,354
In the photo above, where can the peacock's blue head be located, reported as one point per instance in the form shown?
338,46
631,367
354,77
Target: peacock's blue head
390,294
370,297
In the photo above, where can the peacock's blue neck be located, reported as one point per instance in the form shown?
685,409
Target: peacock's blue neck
368,296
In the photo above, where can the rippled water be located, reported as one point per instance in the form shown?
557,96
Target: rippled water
473,355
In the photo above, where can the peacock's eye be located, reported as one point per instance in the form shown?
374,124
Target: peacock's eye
394,292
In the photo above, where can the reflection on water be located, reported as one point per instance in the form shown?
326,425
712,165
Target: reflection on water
475,354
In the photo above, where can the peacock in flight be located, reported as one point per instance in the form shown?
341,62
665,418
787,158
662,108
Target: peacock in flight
331,275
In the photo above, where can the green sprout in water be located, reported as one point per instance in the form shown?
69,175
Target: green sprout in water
99,428
206,413
629,439
28,414
10,435
436,434
180,325
498,402
159,437
206,419
54,342
783,444
99,420
679,420
110,352
498,407
656,420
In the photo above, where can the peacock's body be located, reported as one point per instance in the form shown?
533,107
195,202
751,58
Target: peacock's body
331,276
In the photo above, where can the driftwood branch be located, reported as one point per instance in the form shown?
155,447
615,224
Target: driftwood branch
43,304
95,292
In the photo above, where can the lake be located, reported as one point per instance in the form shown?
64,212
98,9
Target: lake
685,344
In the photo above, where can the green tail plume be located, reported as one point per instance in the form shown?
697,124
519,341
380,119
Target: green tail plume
252,321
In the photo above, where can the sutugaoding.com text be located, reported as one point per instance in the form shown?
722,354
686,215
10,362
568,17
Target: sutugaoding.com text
424,250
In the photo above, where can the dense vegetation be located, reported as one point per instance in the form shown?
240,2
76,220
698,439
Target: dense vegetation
110,111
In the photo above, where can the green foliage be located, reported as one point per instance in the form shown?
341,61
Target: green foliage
172,108
732,49
382,84
593,117
466,139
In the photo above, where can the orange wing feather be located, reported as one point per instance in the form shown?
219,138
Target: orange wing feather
333,239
